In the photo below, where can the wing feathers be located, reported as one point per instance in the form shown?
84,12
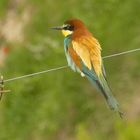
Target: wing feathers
74,57
88,49
83,53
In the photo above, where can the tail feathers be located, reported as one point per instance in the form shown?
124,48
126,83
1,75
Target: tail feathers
105,90
102,85
112,102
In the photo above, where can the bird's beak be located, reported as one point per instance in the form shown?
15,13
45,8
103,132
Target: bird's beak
57,28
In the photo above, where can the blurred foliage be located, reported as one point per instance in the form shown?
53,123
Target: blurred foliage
128,131
62,105
3,7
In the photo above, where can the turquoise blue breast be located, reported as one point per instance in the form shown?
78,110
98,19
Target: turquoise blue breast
67,44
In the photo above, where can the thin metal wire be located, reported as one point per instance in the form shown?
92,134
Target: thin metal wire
122,53
63,67
33,74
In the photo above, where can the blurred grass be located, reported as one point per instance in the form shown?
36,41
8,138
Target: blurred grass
61,104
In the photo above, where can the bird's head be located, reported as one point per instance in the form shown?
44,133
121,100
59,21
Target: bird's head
70,26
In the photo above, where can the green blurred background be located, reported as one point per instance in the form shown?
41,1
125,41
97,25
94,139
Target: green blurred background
61,105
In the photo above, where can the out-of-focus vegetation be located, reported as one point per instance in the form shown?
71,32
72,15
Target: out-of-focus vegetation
61,105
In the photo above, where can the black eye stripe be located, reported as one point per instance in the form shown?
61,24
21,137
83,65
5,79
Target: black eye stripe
69,27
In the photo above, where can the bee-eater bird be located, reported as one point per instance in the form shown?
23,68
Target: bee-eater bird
83,53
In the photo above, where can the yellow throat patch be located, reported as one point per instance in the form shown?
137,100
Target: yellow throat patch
66,32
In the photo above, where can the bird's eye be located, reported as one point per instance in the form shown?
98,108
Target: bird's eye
69,27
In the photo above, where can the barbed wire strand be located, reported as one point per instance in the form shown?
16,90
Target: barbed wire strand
66,66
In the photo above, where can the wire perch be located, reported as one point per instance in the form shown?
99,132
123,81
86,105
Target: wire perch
66,66
2,81
2,91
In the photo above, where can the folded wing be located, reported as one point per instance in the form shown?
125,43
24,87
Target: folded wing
89,50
